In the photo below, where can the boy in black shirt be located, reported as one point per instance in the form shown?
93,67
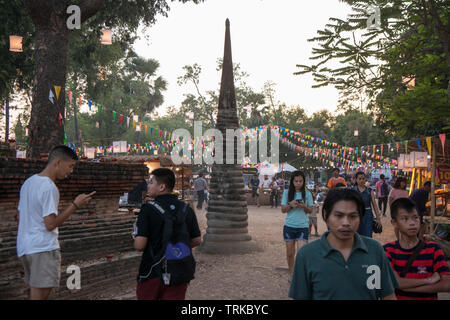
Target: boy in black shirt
149,234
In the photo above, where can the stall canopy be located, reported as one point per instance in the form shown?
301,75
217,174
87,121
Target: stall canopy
286,167
267,168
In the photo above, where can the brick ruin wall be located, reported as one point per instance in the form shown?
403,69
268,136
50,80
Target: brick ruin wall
93,232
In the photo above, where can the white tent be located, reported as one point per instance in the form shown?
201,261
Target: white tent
267,168
286,167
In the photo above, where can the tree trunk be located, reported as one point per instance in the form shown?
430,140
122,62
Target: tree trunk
52,40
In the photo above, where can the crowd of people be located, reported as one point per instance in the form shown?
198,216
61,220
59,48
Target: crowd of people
342,263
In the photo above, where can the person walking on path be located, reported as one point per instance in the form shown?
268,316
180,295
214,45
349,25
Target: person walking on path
399,190
420,198
368,196
274,190
149,237
200,186
335,179
342,265
420,266
254,183
296,202
382,188
39,218
264,186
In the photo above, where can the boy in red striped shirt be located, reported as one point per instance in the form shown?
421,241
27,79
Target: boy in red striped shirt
429,272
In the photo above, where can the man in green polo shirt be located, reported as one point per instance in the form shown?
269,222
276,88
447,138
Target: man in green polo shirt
342,265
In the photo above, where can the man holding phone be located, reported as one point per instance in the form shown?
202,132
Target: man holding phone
37,238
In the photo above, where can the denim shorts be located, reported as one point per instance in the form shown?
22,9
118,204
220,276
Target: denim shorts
295,234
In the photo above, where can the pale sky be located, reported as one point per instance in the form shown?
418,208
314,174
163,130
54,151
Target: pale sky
268,38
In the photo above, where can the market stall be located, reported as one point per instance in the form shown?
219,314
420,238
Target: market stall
432,166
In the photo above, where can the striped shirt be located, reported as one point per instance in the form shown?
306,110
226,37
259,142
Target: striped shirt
430,259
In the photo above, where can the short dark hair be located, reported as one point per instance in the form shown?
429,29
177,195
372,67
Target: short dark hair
62,152
398,182
338,194
200,174
339,185
402,203
427,184
164,176
359,173
336,169
381,176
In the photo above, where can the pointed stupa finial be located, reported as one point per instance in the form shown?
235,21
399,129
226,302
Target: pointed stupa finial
227,99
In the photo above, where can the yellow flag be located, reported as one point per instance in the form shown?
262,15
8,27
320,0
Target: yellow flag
57,91
429,145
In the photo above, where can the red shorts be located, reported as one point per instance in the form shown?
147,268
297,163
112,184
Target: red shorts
154,289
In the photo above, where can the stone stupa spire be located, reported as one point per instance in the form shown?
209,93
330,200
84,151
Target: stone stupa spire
227,217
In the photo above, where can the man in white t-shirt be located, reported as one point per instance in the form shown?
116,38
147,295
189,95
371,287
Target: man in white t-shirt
37,238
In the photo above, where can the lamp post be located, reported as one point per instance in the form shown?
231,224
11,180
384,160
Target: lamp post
106,37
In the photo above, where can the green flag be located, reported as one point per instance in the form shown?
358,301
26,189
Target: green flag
114,115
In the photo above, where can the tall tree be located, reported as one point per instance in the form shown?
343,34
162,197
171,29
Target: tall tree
52,41
411,40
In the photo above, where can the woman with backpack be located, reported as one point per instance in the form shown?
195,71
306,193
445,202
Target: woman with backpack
368,196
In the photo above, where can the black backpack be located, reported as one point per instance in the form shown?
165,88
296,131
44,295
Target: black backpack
177,264
384,189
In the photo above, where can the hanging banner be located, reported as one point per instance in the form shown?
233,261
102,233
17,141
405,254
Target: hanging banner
420,159
444,174
57,91
51,97
21,154
69,93
89,153
442,138
409,161
119,146
401,162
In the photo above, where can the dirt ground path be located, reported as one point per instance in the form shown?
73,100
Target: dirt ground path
260,275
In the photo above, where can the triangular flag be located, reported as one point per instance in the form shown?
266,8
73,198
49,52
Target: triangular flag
90,104
59,119
69,93
114,115
406,146
65,139
145,128
79,100
99,107
442,137
57,91
418,144
429,145
51,97
121,118
128,122
397,144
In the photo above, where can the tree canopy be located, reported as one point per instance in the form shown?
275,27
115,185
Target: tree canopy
371,64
